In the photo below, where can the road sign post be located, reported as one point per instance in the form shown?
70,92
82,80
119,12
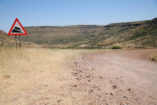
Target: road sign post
16,41
17,30
20,41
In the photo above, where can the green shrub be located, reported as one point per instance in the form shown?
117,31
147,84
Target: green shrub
116,47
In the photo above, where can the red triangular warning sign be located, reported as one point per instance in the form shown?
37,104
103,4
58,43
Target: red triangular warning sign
17,28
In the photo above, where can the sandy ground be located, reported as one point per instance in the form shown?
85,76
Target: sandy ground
64,77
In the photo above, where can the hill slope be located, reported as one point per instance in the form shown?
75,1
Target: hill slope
130,34
5,40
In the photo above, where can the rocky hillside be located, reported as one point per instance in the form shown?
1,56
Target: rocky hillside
129,35
5,40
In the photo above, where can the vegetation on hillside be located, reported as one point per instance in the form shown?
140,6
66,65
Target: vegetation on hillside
140,34
9,41
5,40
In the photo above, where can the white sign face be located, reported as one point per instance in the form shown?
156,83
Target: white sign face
17,28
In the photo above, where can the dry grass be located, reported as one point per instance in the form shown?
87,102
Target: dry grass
35,76
153,57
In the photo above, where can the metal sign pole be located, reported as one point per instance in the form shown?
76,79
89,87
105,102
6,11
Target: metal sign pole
20,41
16,41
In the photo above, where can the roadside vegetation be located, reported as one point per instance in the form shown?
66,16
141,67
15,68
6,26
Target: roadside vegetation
153,57
116,47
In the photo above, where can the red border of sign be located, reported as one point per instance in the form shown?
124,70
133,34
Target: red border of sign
16,20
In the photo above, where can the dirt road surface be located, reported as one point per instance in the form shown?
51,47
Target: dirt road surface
117,78
58,77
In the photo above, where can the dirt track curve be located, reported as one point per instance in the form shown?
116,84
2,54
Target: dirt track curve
123,77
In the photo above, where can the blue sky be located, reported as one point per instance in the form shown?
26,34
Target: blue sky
74,12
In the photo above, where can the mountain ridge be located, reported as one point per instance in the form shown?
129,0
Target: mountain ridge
126,34
140,34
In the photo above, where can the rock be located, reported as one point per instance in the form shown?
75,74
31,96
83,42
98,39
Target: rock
75,63
78,78
124,96
75,85
88,76
6,76
99,89
88,80
100,77
117,78
129,89
92,68
111,93
90,91
114,87
59,100
99,96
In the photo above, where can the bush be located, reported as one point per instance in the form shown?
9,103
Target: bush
116,47
153,57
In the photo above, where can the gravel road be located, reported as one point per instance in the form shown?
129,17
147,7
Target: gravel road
122,77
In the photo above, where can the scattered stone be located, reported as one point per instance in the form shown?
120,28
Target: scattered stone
124,96
88,76
111,93
80,71
117,78
114,87
100,77
6,76
75,63
90,91
75,85
78,78
129,89
59,100
121,103
99,96
92,68
75,74
98,89
88,80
